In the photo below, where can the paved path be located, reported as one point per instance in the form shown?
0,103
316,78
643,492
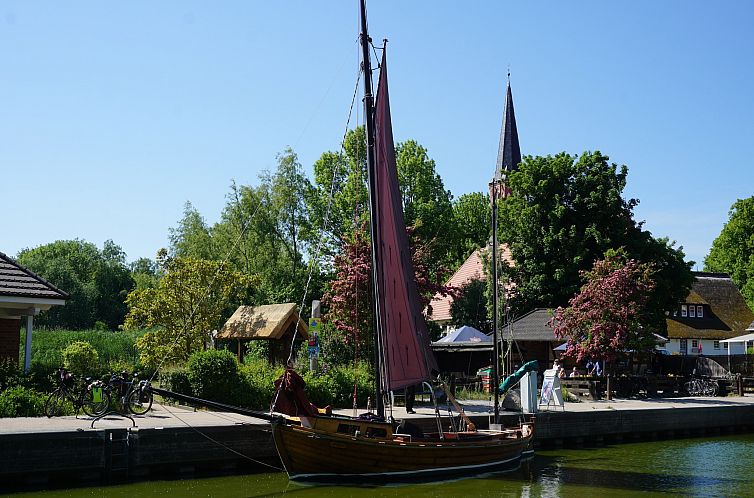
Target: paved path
163,416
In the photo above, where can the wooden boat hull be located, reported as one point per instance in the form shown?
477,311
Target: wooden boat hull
310,454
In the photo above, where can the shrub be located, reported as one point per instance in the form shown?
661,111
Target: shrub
80,358
10,375
337,385
21,401
258,384
214,375
176,380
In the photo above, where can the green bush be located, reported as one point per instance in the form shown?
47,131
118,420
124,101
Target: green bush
258,384
10,374
21,401
80,358
214,375
336,386
176,380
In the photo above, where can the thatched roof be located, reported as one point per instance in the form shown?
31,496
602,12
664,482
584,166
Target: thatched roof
269,322
726,314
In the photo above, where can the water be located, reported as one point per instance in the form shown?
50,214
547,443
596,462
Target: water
694,467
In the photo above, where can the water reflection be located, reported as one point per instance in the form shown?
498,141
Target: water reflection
694,467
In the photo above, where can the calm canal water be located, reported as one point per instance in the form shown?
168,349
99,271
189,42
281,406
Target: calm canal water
694,467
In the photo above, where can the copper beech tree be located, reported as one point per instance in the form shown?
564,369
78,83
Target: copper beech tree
609,314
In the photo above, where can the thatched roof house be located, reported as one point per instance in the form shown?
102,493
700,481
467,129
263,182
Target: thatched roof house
713,310
272,322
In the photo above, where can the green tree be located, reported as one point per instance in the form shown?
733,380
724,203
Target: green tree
469,307
193,298
564,213
97,282
471,224
191,238
733,250
145,273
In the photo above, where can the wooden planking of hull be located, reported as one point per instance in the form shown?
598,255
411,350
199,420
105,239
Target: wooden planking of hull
320,454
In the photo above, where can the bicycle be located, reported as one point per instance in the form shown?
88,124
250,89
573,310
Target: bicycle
87,395
701,387
133,395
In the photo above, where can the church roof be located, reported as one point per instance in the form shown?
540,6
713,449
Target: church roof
509,152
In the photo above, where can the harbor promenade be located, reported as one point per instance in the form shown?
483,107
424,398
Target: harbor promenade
176,441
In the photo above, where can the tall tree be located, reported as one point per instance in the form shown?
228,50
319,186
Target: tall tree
609,314
564,213
97,281
471,224
733,250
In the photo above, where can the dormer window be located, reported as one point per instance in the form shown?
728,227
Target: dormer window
692,311
684,311
699,312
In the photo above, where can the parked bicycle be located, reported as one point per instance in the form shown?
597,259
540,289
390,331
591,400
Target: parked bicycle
701,387
85,394
132,394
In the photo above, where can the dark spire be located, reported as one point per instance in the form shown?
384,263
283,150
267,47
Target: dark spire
509,152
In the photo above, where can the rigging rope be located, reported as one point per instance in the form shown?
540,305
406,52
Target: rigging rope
318,250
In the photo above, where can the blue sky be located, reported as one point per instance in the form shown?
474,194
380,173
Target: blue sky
114,115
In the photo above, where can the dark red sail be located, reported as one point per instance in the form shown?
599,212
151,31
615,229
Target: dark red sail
404,337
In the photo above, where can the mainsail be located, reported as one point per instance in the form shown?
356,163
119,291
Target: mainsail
404,340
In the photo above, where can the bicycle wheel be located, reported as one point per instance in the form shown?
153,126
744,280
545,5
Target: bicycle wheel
95,401
54,403
140,401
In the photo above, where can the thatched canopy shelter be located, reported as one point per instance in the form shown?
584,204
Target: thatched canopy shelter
273,322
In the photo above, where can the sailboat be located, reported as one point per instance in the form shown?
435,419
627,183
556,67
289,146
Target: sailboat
316,446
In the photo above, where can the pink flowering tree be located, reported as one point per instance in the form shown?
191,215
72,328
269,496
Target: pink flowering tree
609,314
349,295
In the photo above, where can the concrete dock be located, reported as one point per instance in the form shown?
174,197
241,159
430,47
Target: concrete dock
173,441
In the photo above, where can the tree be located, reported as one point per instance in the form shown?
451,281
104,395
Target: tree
471,224
145,273
349,294
193,298
469,307
97,282
608,315
564,213
733,250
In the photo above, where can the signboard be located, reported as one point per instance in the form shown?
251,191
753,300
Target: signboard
551,393
314,327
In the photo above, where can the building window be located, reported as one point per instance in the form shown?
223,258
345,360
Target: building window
694,343
699,312
683,345
716,344
692,311
684,312
725,345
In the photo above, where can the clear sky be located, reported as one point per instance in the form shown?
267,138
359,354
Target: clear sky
113,115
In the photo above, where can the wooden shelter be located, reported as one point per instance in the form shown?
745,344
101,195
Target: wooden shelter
275,323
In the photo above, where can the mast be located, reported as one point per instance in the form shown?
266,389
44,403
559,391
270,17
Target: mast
495,332
373,212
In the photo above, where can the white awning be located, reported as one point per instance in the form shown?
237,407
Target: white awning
740,338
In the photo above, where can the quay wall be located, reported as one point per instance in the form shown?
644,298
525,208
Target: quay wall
40,459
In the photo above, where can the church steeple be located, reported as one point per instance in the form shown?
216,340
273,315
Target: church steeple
509,152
